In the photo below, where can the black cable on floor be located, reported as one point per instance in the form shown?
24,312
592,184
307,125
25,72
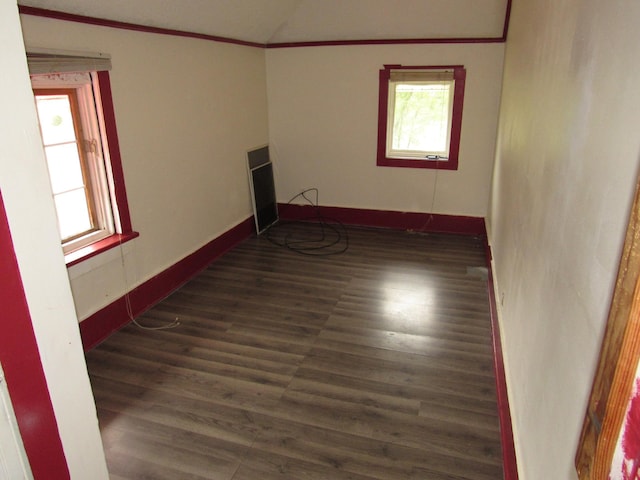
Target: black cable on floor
318,236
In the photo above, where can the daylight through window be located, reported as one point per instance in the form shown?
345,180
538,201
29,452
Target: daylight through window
420,114
421,119
72,143
72,95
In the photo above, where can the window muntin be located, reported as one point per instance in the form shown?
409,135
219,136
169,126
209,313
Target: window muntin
420,116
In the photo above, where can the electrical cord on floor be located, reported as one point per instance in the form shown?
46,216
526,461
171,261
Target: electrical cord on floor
431,217
127,300
321,236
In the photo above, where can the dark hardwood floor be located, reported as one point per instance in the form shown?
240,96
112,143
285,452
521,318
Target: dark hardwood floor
373,364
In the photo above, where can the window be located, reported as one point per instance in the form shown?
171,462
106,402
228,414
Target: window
74,155
77,125
420,116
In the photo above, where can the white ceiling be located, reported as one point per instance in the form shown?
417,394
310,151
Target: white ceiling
283,21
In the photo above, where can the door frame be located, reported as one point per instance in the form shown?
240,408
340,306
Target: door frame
617,363
23,371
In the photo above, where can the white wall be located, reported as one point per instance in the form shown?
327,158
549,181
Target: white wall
187,111
323,117
567,160
28,201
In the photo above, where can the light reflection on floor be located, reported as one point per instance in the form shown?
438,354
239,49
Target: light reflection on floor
408,298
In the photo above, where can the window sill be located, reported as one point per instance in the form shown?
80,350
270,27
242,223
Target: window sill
78,256
451,164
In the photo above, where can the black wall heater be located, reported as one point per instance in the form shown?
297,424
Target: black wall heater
263,190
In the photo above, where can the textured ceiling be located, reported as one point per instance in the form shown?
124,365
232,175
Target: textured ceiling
283,21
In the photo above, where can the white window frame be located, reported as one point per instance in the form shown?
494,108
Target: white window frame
415,153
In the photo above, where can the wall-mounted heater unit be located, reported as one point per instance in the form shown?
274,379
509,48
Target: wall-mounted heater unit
263,190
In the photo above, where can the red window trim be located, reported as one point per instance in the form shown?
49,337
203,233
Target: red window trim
121,207
84,253
459,75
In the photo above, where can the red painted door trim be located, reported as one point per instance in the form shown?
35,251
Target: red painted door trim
23,369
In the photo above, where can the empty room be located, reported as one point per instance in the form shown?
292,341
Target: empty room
319,239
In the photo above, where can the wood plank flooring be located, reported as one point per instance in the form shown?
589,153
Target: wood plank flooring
372,364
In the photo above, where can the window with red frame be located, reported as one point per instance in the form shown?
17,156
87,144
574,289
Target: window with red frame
420,116
73,100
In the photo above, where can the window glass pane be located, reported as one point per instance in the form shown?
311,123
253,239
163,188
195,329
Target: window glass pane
421,117
73,214
65,171
56,121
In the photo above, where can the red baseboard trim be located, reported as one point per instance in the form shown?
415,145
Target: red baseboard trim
418,222
114,316
509,462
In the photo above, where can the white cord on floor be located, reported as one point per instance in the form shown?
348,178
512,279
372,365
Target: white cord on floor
127,301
